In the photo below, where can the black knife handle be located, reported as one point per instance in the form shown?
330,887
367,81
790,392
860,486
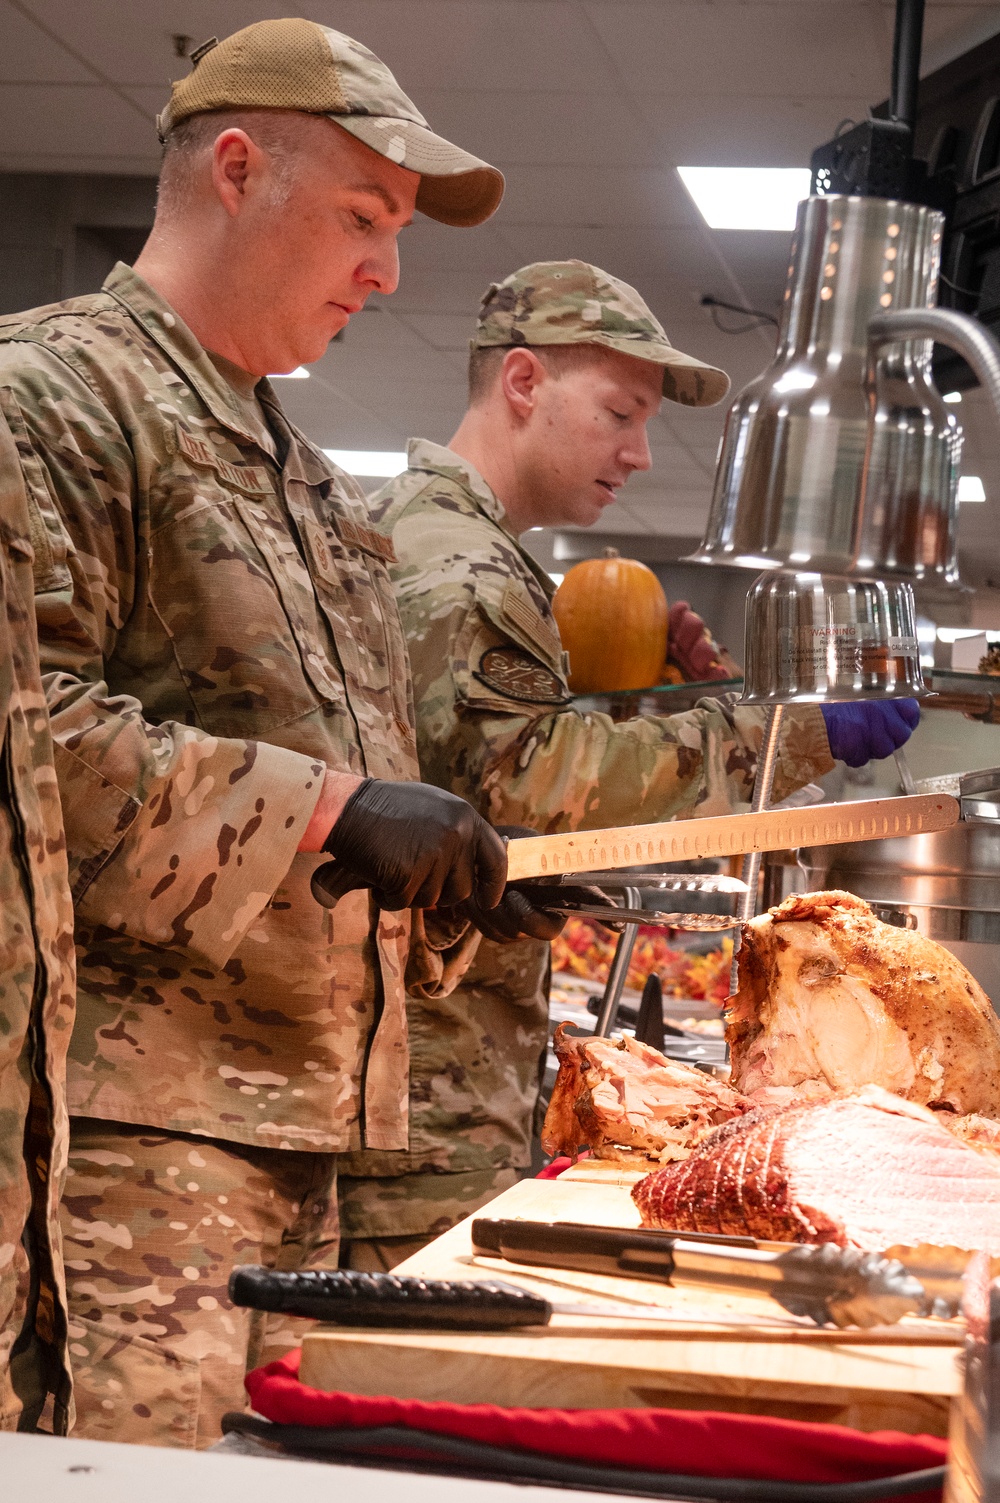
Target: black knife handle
346,1297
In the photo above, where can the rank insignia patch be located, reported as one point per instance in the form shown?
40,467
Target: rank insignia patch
516,674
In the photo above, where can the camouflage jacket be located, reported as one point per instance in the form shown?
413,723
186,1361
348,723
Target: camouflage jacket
216,625
36,996
494,724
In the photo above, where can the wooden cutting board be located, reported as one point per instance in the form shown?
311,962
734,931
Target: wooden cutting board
598,1172
899,1377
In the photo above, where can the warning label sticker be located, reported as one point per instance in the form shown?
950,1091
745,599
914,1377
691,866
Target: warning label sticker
839,652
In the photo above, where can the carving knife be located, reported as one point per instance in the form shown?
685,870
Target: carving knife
348,1297
698,839
729,835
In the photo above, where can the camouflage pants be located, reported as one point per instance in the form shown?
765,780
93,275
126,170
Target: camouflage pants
380,1254
152,1223
393,1218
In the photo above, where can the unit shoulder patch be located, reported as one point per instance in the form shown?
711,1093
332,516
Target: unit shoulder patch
517,675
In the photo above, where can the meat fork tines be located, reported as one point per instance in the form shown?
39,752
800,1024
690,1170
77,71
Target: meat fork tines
615,916
651,888
620,910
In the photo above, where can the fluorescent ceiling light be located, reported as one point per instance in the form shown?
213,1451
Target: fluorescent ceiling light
953,396
556,579
747,198
970,488
368,461
298,374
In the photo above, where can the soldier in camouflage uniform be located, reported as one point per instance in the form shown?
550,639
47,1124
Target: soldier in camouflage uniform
494,718
230,697
37,977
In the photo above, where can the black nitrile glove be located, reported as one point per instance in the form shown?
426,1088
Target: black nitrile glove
415,846
522,913
869,730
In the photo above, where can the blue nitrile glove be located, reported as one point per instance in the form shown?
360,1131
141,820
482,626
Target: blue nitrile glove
868,730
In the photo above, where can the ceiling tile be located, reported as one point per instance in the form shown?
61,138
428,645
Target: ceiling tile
555,126
434,250
34,121
132,43
30,56
595,196
755,49
460,291
734,130
495,44
444,331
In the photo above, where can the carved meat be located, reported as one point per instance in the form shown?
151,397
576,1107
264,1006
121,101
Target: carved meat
981,1133
831,999
867,1170
628,1102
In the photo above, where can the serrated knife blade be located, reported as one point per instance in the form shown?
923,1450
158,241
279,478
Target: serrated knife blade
729,835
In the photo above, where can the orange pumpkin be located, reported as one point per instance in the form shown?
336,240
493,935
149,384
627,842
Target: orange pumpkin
612,616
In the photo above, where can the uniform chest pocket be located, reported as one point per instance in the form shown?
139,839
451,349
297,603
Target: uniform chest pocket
49,542
230,589
356,594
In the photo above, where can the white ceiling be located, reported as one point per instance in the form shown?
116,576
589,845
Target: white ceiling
587,106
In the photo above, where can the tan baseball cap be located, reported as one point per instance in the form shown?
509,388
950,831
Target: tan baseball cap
569,302
299,65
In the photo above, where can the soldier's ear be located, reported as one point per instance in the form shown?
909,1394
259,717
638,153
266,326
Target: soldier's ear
520,377
235,160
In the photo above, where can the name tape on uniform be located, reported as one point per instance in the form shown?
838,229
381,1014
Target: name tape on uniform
366,538
244,477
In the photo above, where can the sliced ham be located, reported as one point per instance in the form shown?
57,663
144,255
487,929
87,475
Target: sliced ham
866,1170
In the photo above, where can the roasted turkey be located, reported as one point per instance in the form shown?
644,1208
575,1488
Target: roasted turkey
830,999
981,1133
626,1101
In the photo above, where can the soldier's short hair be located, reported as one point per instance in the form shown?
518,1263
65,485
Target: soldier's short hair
285,135
485,363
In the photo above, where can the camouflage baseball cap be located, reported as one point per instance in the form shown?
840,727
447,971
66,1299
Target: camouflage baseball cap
299,65
569,302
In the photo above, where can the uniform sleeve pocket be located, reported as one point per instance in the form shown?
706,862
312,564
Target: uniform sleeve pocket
49,539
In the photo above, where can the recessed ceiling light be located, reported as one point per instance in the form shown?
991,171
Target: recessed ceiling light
368,461
953,396
557,579
747,198
970,488
298,374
